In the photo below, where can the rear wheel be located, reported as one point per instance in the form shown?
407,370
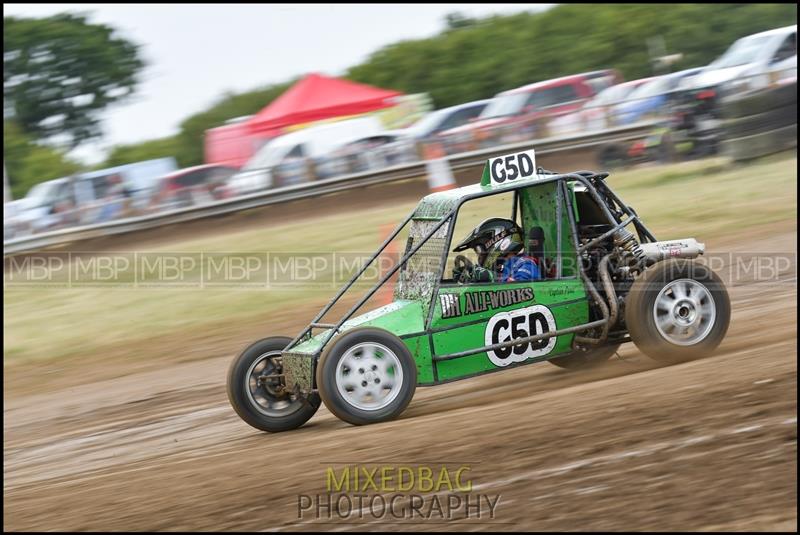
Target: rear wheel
367,376
677,310
583,359
256,389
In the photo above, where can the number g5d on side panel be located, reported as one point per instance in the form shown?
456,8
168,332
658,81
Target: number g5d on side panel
505,169
517,324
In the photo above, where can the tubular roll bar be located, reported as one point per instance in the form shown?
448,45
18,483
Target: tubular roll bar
343,289
334,328
386,277
641,229
605,235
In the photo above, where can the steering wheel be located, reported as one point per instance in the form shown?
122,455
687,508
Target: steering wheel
462,269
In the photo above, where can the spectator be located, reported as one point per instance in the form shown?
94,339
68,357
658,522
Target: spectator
118,200
65,211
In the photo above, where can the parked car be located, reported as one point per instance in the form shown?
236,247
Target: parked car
193,185
285,159
443,119
518,109
597,113
652,98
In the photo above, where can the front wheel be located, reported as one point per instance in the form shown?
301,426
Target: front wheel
366,376
256,389
678,310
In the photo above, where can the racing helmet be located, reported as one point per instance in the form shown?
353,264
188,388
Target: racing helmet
492,240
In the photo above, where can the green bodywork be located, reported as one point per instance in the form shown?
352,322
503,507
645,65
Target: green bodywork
477,315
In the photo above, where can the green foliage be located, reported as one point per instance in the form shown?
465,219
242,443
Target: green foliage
28,163
458,20
476,59
192,135
139,152
188,145
60,72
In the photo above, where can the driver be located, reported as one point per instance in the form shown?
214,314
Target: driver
499,246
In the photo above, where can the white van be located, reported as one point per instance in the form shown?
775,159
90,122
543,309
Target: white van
294,148
86,192
749,63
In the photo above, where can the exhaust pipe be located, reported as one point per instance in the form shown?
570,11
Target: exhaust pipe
661,250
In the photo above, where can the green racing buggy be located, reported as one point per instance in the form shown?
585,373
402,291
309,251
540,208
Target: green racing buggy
603,286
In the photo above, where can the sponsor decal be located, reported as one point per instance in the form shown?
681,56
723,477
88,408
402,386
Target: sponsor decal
451,306
491,299
519,324
482,301
502,235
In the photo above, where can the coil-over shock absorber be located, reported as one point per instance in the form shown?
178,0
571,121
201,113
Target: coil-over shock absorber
626,241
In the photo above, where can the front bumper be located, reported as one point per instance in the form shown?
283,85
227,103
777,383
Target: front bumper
299,369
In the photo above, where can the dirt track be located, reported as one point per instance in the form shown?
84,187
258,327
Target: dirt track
706,445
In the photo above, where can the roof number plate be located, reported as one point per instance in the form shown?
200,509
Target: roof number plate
506,169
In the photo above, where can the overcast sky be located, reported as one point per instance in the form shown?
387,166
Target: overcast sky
197,52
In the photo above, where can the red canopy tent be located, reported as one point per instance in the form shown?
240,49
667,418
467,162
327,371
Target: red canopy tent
317,97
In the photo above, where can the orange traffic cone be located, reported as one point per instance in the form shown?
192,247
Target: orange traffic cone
440,176
387,260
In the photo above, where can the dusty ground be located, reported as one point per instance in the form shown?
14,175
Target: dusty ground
706,445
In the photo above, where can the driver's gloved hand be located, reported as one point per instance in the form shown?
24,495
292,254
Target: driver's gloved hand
462,275
481,274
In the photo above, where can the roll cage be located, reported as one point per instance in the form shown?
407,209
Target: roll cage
443,215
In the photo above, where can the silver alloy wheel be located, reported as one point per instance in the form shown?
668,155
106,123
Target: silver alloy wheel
369,376
264,394
684,312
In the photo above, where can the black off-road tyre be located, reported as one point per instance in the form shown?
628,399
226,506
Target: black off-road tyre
293,415
354,346
582,360
659,342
